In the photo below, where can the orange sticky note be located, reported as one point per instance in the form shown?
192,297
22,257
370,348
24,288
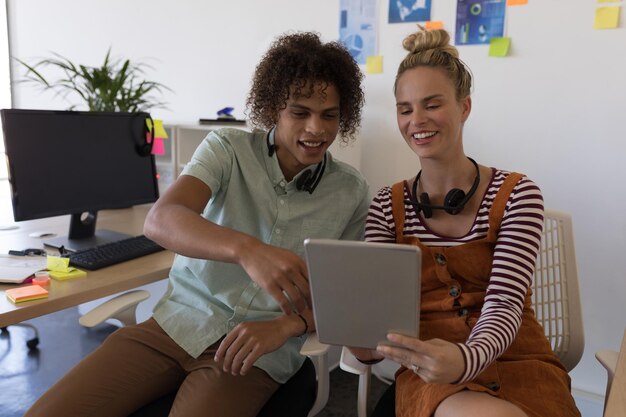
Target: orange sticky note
434,24
28,293
516,2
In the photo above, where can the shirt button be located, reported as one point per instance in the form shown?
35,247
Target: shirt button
277,231
463,312
454,291
440,259
282,201
282,183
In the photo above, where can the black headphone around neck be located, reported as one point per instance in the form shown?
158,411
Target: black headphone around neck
145,149
308,180
453,202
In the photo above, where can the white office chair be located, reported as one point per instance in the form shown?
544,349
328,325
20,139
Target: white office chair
124,306
610,360
556,300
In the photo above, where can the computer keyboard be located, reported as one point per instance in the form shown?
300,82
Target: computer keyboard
114,253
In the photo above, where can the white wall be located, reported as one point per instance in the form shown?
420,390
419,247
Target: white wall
554,109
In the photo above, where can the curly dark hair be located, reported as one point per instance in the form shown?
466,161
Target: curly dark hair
297,61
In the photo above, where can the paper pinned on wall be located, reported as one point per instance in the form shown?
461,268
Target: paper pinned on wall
159,147
609,1
516,2
374,64
433,24
159,130
499,47
606,17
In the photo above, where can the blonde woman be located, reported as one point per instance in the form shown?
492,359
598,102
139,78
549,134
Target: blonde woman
481,351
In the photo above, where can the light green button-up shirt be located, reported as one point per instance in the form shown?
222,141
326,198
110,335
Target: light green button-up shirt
206,299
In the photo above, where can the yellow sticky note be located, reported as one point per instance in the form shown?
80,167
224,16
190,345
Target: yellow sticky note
374,64
606,17
159,130
499,46
433,24
56,263
609,1
516,2
71,273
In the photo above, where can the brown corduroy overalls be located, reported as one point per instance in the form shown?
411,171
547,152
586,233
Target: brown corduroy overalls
454,282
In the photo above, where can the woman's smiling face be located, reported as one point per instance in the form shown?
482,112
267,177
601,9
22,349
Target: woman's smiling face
430,116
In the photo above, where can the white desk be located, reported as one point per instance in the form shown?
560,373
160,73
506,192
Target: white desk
97,284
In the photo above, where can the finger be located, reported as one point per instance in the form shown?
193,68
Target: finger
295,297
396,354
249,361
230,354
302,284
408,342
239,358
224,345
280,297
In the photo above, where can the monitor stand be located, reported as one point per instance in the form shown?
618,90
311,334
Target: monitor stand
83,234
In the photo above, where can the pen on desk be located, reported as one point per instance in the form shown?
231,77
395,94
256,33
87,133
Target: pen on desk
28,252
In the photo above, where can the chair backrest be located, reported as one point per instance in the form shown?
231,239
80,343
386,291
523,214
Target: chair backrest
556,295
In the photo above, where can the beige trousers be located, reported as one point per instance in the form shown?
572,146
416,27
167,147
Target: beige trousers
138,364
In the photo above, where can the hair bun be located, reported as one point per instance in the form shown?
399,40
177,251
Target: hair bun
424,40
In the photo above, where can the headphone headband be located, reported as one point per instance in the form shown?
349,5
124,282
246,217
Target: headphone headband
450,203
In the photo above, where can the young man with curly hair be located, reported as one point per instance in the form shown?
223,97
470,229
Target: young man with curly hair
229,329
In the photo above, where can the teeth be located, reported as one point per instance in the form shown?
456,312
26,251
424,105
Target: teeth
311,144
423,135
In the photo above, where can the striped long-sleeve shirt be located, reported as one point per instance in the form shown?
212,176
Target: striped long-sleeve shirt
514,259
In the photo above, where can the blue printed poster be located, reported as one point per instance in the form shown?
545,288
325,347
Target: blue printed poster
401,11
477,21
358,28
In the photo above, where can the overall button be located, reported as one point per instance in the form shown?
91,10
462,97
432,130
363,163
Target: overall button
494,386
454,291
440,259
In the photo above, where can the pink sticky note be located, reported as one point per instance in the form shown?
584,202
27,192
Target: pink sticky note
158,148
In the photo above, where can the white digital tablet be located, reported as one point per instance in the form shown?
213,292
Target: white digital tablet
361,291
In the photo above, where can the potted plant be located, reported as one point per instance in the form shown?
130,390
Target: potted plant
114,86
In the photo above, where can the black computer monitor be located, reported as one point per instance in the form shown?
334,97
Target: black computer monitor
68,162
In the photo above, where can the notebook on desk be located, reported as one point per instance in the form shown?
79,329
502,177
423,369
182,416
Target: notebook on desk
16,269
361,291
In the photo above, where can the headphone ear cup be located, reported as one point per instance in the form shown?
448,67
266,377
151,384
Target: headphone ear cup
145,149
424,205
453,200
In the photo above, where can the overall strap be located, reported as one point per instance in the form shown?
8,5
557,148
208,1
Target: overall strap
496,213
397,208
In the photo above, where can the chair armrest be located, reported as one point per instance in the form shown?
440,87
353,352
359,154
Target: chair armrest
350,363
313,347
318,352
608,359
123,308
